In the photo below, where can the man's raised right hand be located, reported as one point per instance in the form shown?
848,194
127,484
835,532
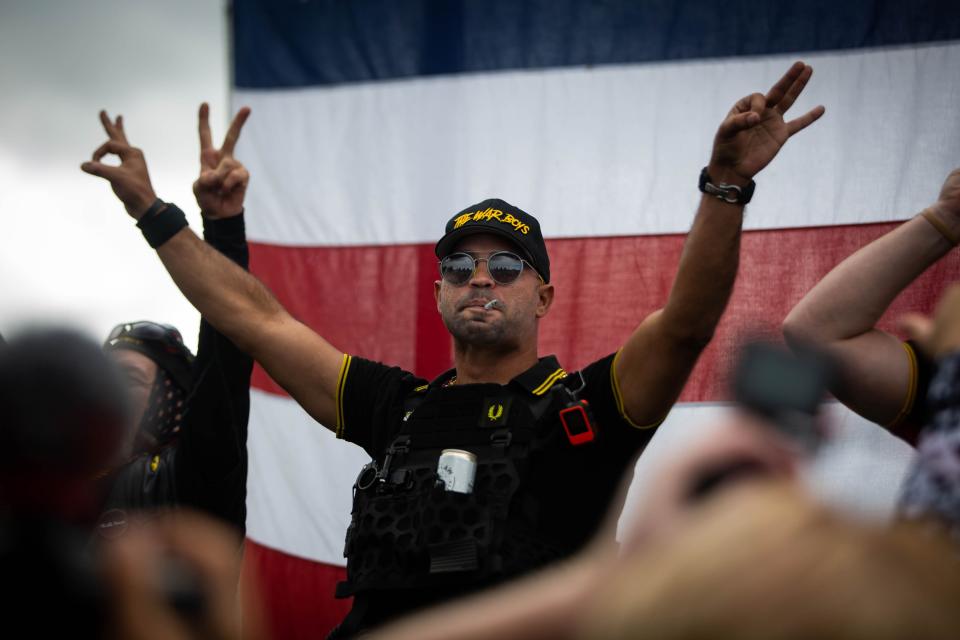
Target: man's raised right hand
130,180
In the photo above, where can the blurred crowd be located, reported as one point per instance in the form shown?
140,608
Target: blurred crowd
729,543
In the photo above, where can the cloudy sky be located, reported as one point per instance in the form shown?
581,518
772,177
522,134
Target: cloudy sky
69,254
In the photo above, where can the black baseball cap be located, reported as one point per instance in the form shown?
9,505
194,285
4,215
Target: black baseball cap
501,218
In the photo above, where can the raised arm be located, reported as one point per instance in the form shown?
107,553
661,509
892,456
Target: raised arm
656,360
839,313
228,297
211,456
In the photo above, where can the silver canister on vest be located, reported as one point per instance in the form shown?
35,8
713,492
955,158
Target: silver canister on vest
457,469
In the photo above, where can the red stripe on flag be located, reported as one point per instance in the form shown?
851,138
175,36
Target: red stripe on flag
433,344
297,594
377,301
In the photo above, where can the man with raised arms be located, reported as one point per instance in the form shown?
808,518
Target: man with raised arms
506,462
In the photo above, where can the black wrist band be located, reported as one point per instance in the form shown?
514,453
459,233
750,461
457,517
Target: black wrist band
161,222
155,208
231,225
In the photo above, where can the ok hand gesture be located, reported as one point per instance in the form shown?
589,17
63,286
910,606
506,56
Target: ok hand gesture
130,180
223,179
754,130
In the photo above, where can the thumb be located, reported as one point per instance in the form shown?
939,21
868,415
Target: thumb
100,170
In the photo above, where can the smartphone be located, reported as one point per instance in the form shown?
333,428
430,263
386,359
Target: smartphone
784,388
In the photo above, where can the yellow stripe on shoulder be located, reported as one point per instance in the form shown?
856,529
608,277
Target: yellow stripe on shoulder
618,398
549,382
422,387
911,396
341,382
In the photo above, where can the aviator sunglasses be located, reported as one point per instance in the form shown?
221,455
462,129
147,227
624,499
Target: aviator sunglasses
504,267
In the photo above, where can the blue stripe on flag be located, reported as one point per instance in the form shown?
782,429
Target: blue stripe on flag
297,43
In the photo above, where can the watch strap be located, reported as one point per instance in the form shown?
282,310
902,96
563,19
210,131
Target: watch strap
727,192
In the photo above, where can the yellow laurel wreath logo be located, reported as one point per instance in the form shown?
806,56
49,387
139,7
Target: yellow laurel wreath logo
494,412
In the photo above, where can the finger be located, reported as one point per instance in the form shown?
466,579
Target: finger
779,90
739,117
100,170
804,121
946,324
951,185
736,123
213,178
795,89
108,125
121,149
237,178
743,104
118,127
948,309
233,133
206,139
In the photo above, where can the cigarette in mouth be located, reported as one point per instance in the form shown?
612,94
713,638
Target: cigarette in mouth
490,305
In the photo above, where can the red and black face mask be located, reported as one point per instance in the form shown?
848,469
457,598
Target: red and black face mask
166,406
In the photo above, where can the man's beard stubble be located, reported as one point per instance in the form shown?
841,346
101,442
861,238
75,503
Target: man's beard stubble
489,333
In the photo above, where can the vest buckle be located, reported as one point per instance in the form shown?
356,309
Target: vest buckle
399,446
501,438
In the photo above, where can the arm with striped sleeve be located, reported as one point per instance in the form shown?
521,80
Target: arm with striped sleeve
877,372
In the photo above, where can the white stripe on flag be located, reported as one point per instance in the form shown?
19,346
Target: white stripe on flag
603,151
299,483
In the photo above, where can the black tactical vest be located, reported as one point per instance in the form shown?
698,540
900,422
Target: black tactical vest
408,531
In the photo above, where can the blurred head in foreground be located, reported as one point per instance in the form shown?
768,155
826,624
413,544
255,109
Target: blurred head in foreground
63,418
63,415
762,560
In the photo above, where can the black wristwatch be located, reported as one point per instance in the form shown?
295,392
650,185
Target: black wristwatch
727,192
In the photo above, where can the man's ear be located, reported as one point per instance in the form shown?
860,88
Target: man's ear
436,292
545,292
